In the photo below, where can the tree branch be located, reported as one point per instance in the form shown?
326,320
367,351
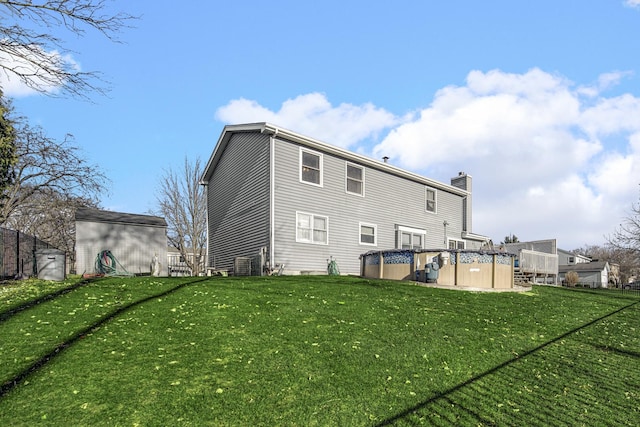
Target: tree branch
38,59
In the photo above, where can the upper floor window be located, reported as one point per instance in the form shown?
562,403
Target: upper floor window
368,234
431,200
310,167
355,179
312,228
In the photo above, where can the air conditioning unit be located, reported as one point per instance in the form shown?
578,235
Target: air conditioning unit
242,266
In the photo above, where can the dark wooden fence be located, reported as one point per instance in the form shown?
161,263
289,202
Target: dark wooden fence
18,253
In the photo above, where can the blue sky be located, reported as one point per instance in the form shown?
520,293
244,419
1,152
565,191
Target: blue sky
538,101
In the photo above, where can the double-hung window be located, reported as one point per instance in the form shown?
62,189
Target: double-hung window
355,179
430,195
312,228
310,167
368,234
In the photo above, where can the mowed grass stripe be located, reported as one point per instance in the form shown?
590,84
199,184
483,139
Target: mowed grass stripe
38,328
335,351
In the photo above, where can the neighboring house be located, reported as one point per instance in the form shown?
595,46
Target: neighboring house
295,203
536,261
571,258
594,274
590,271
134,240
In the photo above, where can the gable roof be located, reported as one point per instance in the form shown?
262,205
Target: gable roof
98,215
306,141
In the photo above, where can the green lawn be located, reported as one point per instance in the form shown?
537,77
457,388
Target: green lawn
314,351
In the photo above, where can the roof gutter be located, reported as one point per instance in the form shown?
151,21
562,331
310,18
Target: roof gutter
367,161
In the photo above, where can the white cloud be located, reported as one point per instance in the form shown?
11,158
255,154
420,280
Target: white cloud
312,114
13,86
547,162
612,115
544,162
604,82
507,122
632,3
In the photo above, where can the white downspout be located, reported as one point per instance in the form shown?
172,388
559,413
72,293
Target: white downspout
272,197
206,204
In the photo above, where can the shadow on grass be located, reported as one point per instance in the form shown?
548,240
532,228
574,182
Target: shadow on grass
44,298
471,391
618,351
19,378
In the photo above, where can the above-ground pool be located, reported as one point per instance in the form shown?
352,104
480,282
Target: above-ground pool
448,267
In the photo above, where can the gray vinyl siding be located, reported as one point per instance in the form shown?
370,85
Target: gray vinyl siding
388,201
134,246
238,200
593,278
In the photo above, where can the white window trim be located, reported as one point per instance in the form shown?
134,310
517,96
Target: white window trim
375,233
411,230
464,243
435,200
315,153
346,178
313,216
403,229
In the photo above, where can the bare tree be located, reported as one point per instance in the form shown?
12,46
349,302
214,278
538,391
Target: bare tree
45,167
571,278
182,201
38,58
627,234
50,216
624,244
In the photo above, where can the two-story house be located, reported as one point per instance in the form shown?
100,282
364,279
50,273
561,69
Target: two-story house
300,202
571,258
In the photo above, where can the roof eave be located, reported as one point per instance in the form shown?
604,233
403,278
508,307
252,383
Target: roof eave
274,130
223,140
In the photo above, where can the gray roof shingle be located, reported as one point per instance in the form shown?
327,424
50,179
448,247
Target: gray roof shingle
583,266
97,215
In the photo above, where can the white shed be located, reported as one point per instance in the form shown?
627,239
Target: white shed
134,240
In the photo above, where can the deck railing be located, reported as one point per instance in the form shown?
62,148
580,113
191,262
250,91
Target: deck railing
537,262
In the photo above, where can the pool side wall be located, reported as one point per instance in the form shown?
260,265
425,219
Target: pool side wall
475,269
